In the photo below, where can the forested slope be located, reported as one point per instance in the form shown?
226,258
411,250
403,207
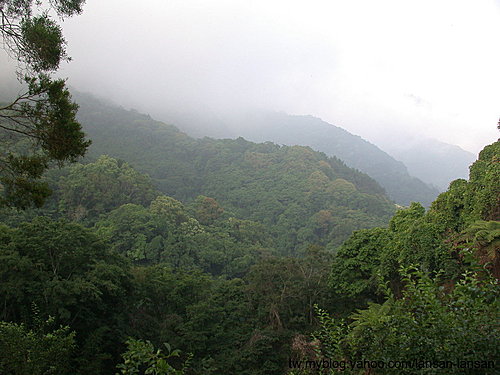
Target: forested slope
310,131
114,276
144,270
302,195
427,284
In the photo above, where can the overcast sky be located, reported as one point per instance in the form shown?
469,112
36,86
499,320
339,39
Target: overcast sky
429,67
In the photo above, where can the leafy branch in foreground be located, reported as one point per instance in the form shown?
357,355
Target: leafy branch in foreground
38,126
142,358
428,326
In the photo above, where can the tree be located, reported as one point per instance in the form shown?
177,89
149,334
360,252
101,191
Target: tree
207,210
96,188
354,271
34,351
38,127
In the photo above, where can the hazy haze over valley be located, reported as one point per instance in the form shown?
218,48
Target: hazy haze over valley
393,72
383,70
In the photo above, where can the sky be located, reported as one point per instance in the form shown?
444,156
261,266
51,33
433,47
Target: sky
381,69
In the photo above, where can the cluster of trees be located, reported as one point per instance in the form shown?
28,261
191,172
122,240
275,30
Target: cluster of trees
356,152
136,263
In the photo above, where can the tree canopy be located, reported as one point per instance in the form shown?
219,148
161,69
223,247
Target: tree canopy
227,263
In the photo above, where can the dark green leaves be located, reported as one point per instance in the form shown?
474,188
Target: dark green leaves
40,123
43,43
35,352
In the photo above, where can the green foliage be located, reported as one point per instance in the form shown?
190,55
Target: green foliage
483,200
354,276
416,239
284,291
445,311
426,324
70,274
266,352
390,174
39,126
165,233
330,334
207,210
448,208
213,319
36,352
162,297
209,280
31,36
96,188
219,326
53,116
43,43
142,358
287,189
483,237
371,259
476,199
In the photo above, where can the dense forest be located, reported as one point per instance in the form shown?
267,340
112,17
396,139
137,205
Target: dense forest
143,250
231,257
300,195
356,152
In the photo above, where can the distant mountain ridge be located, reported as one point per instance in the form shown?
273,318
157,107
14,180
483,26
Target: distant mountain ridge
310,131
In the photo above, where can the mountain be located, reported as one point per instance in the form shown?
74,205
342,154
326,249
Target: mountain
302,195
434,162
356,152
131,268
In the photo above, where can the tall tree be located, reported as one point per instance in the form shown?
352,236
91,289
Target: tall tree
39,126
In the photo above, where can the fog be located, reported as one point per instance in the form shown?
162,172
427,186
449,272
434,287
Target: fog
380,69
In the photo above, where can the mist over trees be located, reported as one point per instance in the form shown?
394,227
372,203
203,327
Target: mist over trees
160,253
391,174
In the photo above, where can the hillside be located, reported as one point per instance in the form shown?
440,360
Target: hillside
436,163
302,195
200,236
250,277
136,276
356,152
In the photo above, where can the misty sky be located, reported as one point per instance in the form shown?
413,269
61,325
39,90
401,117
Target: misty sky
375,68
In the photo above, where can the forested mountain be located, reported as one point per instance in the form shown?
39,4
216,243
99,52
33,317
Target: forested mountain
111,269
356,152
434,162
162,254
231,257
301,195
